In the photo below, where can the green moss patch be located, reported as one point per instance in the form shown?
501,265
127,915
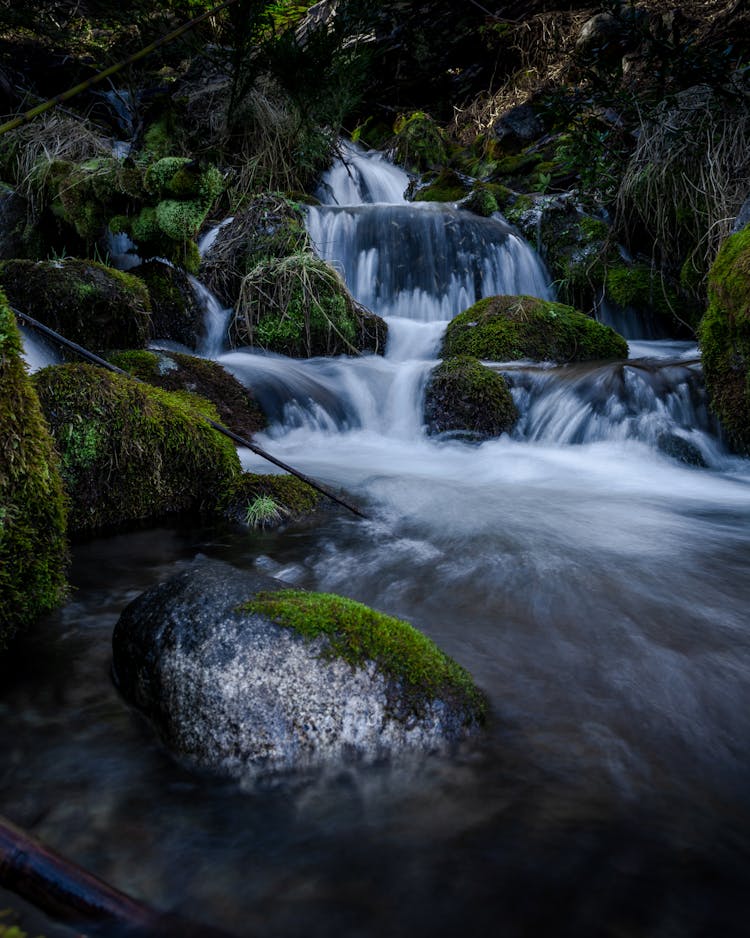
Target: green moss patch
358,634
132,452
462,395
446,187
174,371
33,551
644,288
91,304
509,328
724,335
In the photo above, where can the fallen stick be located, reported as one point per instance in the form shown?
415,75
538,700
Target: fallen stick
103,363
68,893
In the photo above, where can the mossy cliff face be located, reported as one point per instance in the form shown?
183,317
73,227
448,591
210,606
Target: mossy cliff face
84,301
464,396
33,509
131,452
724,335
173,371
510,328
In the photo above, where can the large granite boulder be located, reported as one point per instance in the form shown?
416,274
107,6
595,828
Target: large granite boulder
243,676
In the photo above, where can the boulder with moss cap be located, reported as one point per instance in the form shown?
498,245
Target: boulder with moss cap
463,396
511,328
245,677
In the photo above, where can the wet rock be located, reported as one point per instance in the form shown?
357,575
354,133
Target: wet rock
520,125
176,313
677,447
602,36
464,396
242,676
12,222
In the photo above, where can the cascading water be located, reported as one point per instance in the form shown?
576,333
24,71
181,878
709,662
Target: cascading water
587,571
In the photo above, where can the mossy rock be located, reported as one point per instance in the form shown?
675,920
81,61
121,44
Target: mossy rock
481,201
724,335
359,635
299,306
510,328
278,499
131,452
97,306
445,187
174,371
33,509
420,144
463,396
176,313
270,226
181,192
641,287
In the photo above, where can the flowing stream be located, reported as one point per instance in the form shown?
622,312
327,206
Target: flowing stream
591,571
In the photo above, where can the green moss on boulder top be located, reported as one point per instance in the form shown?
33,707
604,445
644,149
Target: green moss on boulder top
358,634
33,550
91,304
131,452
464,396
176,313
724,335
445,187
174,371
509,328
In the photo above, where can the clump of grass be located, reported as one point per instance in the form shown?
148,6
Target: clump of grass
263,512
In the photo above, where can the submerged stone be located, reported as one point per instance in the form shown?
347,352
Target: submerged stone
244,677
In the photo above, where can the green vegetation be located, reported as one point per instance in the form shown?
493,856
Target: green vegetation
131,452
420,143
300,306
465,396
33,552
724,335
644,288
96,306
446,187
174,371
263,512
175,312
358,634
509,328
481,201
293,497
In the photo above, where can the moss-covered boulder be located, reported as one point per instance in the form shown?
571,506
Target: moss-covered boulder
724,335
463,396
420,144
33,551
131,452
446,186
247,678
173,371
643,288
269,226
84,301
13,216
482,200
267,501
509,328
300,306
176,313
179,193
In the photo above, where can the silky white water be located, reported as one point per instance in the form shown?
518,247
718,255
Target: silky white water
591,571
